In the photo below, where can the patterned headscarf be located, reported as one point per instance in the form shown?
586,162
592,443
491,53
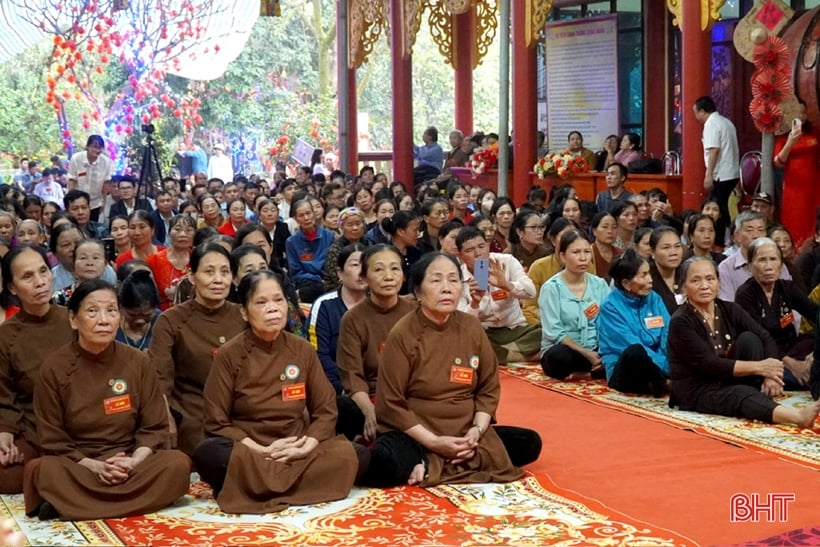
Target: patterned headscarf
348,212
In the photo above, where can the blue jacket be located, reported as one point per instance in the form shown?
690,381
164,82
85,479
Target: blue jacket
323,333
625,320
306,259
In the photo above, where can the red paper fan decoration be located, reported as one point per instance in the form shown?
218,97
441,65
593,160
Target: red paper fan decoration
771,86
772,53
767,116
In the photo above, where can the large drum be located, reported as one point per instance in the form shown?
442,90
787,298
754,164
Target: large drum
803,40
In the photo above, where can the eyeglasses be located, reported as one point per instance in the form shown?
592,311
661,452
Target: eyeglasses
439,213
537,227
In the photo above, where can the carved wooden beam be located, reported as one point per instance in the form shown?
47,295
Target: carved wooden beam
365,23
709,12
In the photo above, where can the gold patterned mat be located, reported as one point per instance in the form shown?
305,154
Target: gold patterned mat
529,512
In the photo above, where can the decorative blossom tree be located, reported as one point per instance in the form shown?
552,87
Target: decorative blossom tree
144,39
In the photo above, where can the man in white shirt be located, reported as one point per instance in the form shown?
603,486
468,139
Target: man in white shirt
220,165
499,307
90,171
721,156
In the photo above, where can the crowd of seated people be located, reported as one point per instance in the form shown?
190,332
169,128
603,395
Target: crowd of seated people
257,321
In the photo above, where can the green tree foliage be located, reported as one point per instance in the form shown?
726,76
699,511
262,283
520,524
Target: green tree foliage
283,83
28,126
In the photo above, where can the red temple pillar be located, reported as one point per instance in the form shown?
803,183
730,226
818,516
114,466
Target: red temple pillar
524,107
352,122
402,76
463,42
347,107
696,78
656,94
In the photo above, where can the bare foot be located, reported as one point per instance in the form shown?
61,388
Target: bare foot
9,536
576,376
807,414
416,475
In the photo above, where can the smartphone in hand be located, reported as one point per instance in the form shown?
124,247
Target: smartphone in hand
481,273
110,249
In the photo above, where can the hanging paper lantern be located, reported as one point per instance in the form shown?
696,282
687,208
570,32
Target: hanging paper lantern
769,85
772,53
767,116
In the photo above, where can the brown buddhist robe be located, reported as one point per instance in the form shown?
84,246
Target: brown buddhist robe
439,376
25,342
183,348
363,332
268,391
95,406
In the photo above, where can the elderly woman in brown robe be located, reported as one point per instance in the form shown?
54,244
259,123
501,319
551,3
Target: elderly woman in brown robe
102,423
26,340
187,338
437,391
270,412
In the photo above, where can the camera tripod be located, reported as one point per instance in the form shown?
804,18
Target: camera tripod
150,171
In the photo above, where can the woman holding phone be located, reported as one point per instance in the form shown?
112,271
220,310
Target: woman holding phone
798,154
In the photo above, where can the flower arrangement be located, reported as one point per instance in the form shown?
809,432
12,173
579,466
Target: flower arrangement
564,164
484,158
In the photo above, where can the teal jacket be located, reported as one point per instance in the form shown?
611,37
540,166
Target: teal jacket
625,320
565,315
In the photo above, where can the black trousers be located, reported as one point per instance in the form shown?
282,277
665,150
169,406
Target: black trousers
814,374
743,398
395,454
636,373
213,454
721,192
561,360
350,420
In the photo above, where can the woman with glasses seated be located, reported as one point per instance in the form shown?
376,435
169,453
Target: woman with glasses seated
527,238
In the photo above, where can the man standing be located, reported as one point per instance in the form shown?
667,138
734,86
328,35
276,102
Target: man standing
615,192
22,176
721,155
429,158
199,160
90,171
220,165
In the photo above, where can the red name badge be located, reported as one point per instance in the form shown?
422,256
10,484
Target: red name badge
82,174
786,320
306,257
115,405
653,322
461,375
500,294
591,311
294,392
